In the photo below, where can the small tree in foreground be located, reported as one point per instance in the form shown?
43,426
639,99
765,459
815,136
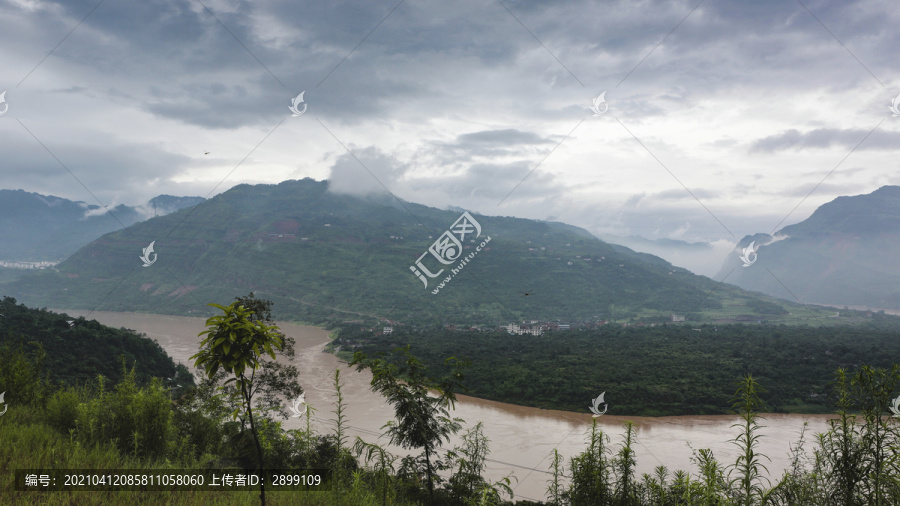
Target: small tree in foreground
748,405
422,421
382,469
234,343
591,471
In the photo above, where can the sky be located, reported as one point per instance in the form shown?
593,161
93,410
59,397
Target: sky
717,119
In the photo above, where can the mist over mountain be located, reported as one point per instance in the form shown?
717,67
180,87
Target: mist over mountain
698,257
321,255
844,254
36,227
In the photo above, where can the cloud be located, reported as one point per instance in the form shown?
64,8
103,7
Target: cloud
457,104
824,138
369,171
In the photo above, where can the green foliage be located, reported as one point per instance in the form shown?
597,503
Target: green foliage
466,484
555,489
20,373
343,463
77,353
747,404
591,472
62,408
623,466
805,482
382,467
272,380
137,421
655,489
647,371
874,391
252,236
842,448
765,307
422,421
712,489
234,343
133,427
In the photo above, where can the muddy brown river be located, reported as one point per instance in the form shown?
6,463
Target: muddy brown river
521,439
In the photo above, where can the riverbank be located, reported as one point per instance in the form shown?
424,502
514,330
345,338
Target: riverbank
521,438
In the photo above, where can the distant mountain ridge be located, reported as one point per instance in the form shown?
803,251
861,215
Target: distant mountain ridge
844,254
698,257
36,227
325,256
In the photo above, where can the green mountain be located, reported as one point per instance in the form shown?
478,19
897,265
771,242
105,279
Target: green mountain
845,254
323,256
37,227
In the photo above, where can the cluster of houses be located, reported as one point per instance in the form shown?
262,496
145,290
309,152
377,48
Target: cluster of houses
27,265
526,327
534,327
378,330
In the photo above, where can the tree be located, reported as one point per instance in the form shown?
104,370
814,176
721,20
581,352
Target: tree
467,485
624,464
343,461
590,471
842,446
274,381
555,488
383,467
234,343
469,460
20,372
748,405
874,391
422,421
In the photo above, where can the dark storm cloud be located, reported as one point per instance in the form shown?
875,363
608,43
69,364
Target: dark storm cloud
490,143
506,137
456,102
178,61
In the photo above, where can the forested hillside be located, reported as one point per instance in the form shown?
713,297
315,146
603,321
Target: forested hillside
325,256
649,371
75,350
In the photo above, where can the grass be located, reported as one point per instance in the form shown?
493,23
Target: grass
27,443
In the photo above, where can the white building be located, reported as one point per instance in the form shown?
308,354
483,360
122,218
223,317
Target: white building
513,328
